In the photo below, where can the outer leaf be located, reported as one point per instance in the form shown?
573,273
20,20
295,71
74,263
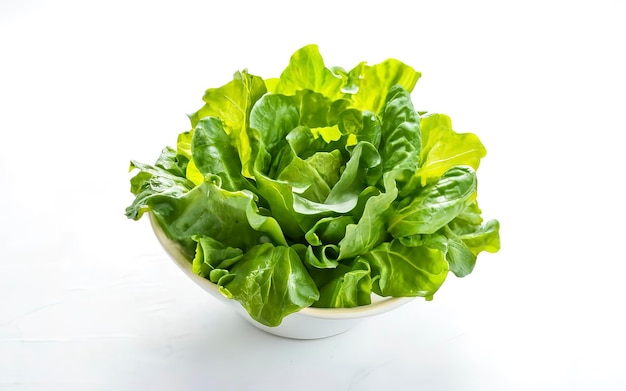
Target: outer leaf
209,211
170,162
443,148
213,154
460,259
373,82
461,240
435,205
151,182
271,283
485,238
401,140
211,255
476,236
306,71
398,270
468,219
232,104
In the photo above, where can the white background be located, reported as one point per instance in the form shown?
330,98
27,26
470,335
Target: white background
89,300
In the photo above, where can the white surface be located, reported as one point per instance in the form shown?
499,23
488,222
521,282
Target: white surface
89,300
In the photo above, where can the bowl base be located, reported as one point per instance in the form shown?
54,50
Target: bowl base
305,329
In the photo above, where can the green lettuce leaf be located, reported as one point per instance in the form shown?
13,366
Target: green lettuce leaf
270,283
344,196
154,182
404,271
211,255
434,205
273,117
475,234
443,148
370,230
213,154
373,82
401,138
232,104
367,128
316,110
460,258
322,257
279,198
303,177
307,71
210,211
348,285
328,230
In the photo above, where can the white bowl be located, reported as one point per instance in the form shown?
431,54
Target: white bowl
309,323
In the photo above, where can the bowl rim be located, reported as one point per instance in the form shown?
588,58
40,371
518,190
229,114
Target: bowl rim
379,304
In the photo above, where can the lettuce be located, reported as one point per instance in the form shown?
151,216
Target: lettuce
319,188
